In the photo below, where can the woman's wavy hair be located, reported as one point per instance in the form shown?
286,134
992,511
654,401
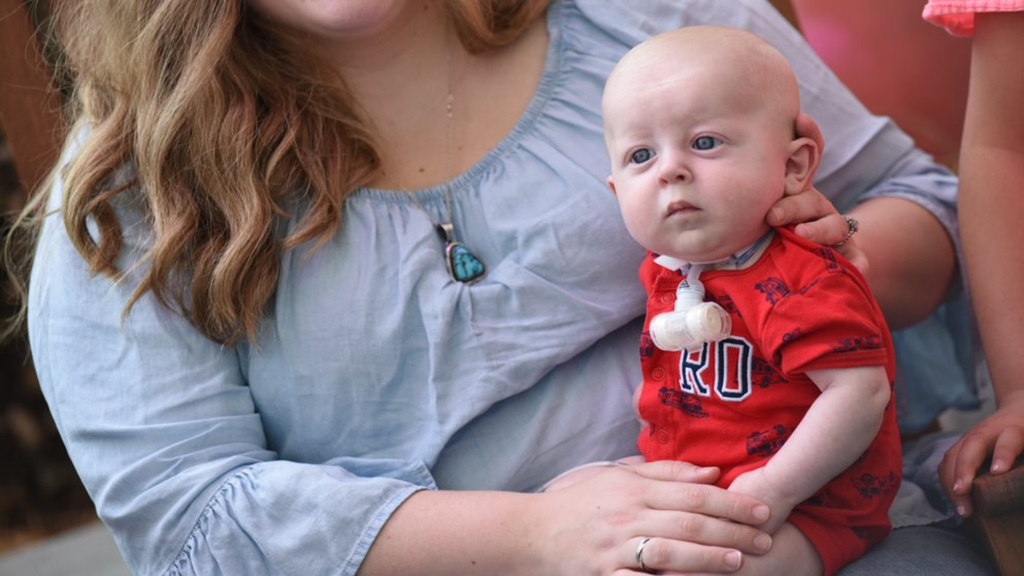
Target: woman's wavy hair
222,120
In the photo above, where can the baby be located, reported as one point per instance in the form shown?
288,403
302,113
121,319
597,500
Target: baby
763,354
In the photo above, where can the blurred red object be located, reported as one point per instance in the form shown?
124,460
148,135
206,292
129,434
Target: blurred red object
898,64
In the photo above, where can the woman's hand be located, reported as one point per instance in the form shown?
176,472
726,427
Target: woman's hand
596,525
1000,435
815,217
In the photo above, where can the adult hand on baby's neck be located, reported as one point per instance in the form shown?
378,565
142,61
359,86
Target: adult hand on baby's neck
814,216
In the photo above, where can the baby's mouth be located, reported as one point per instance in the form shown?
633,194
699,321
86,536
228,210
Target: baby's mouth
680,207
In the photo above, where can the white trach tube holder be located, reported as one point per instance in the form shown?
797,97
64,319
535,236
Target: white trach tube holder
693,322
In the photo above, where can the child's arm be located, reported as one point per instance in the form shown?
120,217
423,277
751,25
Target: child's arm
836,430
991,204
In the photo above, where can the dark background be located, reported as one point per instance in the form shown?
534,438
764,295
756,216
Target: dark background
40,493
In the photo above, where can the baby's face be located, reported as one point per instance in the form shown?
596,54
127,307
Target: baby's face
697,159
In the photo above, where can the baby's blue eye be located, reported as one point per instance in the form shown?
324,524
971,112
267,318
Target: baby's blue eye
640,156
706,143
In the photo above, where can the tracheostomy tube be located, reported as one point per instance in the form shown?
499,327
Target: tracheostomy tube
693,322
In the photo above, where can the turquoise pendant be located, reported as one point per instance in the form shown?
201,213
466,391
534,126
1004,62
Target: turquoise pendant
463,265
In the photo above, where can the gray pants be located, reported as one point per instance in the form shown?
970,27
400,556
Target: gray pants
926,540
924,551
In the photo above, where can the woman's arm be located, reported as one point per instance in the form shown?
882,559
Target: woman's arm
911,255
164,432
992,216
591,527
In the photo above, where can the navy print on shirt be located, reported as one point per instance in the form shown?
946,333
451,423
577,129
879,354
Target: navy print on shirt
858,343
688,404
774,289
829,256
765,443
871,486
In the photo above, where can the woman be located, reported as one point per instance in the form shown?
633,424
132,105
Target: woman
263,356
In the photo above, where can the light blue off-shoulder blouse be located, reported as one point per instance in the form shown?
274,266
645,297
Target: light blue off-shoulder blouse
376,375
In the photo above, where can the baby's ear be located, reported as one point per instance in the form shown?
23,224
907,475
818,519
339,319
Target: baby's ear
611,185
802,164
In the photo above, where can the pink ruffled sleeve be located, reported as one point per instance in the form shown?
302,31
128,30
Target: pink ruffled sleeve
957,16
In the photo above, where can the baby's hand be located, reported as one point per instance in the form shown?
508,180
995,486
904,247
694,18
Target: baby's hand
755,483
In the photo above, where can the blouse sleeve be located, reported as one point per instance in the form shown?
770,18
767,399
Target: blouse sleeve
163,431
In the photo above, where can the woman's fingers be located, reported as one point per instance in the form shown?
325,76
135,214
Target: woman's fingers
831,230
804,207
812,214
596,525
674,471
665,556
707,531
709,501
687,488
689,510
820,224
